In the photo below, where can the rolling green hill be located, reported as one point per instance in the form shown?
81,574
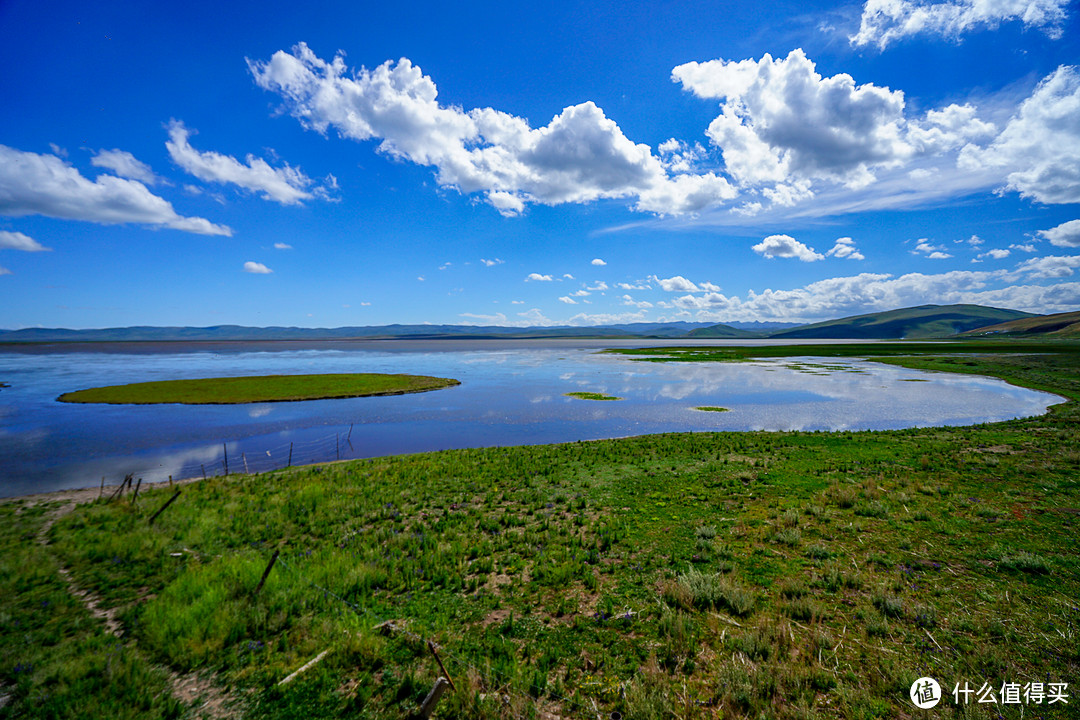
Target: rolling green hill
723,331
1058,325
922,322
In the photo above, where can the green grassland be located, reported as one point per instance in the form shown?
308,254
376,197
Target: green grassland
693,575
591,396
259,388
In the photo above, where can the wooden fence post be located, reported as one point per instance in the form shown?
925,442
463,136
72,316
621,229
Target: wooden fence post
136,495
225,448
432,698
290,456
162,508
266,572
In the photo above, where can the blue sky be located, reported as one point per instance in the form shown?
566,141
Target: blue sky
339,164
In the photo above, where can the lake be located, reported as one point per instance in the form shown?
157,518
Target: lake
511,393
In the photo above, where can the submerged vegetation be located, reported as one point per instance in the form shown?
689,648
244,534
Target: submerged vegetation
712,408
259,388
734,575
591,396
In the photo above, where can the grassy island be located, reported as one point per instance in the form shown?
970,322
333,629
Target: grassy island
712,408
785,575
591,396
261,388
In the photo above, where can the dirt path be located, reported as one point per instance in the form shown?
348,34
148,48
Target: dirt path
197,692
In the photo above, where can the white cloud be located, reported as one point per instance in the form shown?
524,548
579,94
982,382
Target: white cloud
598,261
517,302
1052,266
639,286
929,250
420,278
4,270
597,287
490,263
996,254
1040,146
537,277
785,246
640,304
782,120
19,241
845,248
125,165
973,241
1065,235
286,185
282,246
708,287
1028,247
445,265
568,276
256,268
886,21
568,300
32,184
581,155
676,284
580,293
871,292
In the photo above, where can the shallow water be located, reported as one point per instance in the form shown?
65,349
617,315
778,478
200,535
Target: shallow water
512,393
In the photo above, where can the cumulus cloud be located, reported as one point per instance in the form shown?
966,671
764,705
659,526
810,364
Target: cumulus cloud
1052,266
1040,146
256,268
490,263
996,254
580,156
873,292
785,131
934,252
1066,234
845,248
125,165
597,287
537,277
785,246
33,184
676,284
886,21
568,300
640,304
781,119
286,185
598,261
20,241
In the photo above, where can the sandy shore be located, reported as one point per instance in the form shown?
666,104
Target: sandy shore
84,495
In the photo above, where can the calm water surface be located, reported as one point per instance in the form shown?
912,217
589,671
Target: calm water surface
512,393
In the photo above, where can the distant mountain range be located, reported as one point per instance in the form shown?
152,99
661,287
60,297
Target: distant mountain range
922,322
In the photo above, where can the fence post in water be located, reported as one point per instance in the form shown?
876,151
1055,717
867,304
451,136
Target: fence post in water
266,572
225,448
162,508
290,456
244,457
337,445
204,471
